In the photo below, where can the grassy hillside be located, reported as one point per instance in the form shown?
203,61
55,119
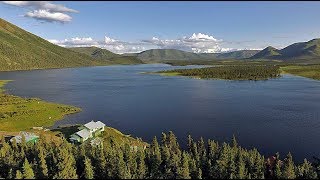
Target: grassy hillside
166,54
21,50
267,53
105,56
242,54
297,52
303,49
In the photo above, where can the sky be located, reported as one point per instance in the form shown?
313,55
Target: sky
201,27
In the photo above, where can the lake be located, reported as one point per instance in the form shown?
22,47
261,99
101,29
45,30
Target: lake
280,114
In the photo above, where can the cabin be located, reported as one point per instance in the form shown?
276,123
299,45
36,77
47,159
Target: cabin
29,137
90,130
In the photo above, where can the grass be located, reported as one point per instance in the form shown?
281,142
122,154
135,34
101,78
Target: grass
110,134
17,114
114,134
309,71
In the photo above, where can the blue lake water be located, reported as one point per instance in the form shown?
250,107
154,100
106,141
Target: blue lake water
280,114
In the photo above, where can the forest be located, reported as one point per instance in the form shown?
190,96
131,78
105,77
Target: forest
162,159
243,72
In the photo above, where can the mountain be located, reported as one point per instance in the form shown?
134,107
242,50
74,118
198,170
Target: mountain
166,54
309,50
95,52
267,53
302,50
22,50
106,56
173,54
241,54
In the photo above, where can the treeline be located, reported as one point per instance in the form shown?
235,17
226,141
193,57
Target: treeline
240,72
161,160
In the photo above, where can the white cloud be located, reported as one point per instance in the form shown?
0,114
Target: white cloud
108,43
49,16
201,37
109,40
197,42
75,42
44,10
41,5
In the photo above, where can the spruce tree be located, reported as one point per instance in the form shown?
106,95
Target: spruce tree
289,168
43,168
277,169
241,167
190,143
121,166
66,168
141,169
27,170
306,171
19,175
155,159
101,164
183,169
88,169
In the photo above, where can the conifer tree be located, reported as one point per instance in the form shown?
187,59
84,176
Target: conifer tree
43,168
121,166
155,159
241,167
101,164
289,168
66,163
183,169
88,169
27,170
190,143
142,169
19,175
306,171
277,169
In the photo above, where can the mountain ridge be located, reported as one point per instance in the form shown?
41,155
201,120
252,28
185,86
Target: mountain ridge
300,50
22,50
107,56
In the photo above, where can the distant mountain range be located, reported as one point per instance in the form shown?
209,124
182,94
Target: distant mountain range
298,51
173,54
21,50
103,55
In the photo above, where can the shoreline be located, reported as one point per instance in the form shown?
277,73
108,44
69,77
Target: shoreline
17,113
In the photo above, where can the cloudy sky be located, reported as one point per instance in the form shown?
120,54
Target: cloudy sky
201,27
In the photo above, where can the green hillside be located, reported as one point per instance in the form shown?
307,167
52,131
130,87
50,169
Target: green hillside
105,56
166,54
303,51
21,50
267,53
242,54
95,52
